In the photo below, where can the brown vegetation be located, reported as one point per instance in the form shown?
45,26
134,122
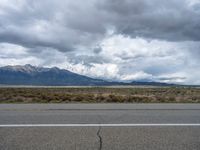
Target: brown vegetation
100,95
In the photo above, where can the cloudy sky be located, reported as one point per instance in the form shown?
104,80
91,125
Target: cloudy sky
126,40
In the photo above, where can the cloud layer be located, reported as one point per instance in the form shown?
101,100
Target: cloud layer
126,40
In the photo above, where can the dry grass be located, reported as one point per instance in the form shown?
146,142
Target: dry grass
100,95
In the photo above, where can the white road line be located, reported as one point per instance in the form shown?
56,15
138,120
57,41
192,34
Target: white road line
99,125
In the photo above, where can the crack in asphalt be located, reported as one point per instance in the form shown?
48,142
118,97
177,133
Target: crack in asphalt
100,138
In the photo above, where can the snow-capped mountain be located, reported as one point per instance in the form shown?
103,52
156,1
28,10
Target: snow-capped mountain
31,75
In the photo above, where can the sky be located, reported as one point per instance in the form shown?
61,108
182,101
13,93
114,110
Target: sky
117,40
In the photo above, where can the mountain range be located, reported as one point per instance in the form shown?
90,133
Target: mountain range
39,76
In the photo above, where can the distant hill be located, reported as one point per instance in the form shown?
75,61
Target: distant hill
39,76
151,83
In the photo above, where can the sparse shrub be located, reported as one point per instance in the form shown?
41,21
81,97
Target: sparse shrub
99,94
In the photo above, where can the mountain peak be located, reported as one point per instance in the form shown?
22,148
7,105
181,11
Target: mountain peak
29,66
26,68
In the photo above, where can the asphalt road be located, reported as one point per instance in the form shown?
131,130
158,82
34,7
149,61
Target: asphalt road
100,126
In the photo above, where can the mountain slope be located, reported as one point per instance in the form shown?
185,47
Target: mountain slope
39,76
30,75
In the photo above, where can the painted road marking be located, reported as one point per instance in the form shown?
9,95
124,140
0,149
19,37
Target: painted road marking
99,125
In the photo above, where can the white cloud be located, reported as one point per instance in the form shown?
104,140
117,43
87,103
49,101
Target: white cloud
106,71
136,76
7,50
21,61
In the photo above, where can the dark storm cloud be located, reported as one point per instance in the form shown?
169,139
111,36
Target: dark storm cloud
31,41
97,50
173,20
65,24
60,25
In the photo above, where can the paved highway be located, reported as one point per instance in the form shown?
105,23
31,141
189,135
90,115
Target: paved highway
100,126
